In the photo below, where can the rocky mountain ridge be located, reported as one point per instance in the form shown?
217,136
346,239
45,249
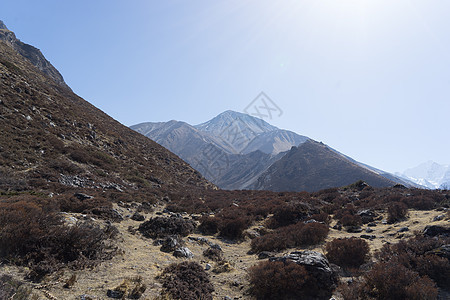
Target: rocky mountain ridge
32,54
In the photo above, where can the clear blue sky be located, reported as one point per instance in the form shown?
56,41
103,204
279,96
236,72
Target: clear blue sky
369,78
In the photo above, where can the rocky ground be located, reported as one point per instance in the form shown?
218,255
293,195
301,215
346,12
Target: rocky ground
140,257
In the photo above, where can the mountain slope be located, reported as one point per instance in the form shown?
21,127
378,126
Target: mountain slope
50,139
314,166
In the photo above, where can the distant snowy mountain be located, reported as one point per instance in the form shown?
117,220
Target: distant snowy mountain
429,174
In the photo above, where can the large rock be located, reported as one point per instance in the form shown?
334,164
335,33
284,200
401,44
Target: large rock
183,252
434,230
317,266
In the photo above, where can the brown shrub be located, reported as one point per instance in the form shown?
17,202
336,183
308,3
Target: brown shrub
283,280
299,234
233,228
214,254
347,252
397,211
186,280
394,281
419,254
160,227
288,214
32,234
209,225
351,220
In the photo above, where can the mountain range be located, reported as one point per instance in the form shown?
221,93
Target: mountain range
238,151
429,174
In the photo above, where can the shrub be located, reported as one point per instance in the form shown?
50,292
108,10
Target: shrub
296,235
32,234
213,254
284,280
209,225
347,252
397,211
351,220
233,229
288,214
186,280
160,227
394,281
421,254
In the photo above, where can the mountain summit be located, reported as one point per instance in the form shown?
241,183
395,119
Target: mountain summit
3,26
32,54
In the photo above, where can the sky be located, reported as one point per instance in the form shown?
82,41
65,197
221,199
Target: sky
370,78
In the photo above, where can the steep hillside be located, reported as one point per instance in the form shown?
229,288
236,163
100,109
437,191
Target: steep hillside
314,166
32,54
51,139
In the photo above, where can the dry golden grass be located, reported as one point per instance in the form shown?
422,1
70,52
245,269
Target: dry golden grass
141,258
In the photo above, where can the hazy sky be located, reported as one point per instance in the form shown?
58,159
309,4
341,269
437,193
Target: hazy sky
369,78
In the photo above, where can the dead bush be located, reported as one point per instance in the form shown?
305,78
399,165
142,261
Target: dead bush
214,254
283,280
394,281
209,225
186,280
32,234
160,227
288,214
295,235
421,254
347,252
397,211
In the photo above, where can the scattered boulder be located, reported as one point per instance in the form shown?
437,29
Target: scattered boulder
183,252
170,244
368,237
137,217
443,251
403,229
265,254
367,215
353,229
434,230
82,196
337,227
438,218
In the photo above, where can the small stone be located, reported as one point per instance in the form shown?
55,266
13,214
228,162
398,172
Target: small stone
208,267
82,196
438,218
369,230
137,217
367,237
403,229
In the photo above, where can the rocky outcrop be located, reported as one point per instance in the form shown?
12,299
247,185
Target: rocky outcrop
32,54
